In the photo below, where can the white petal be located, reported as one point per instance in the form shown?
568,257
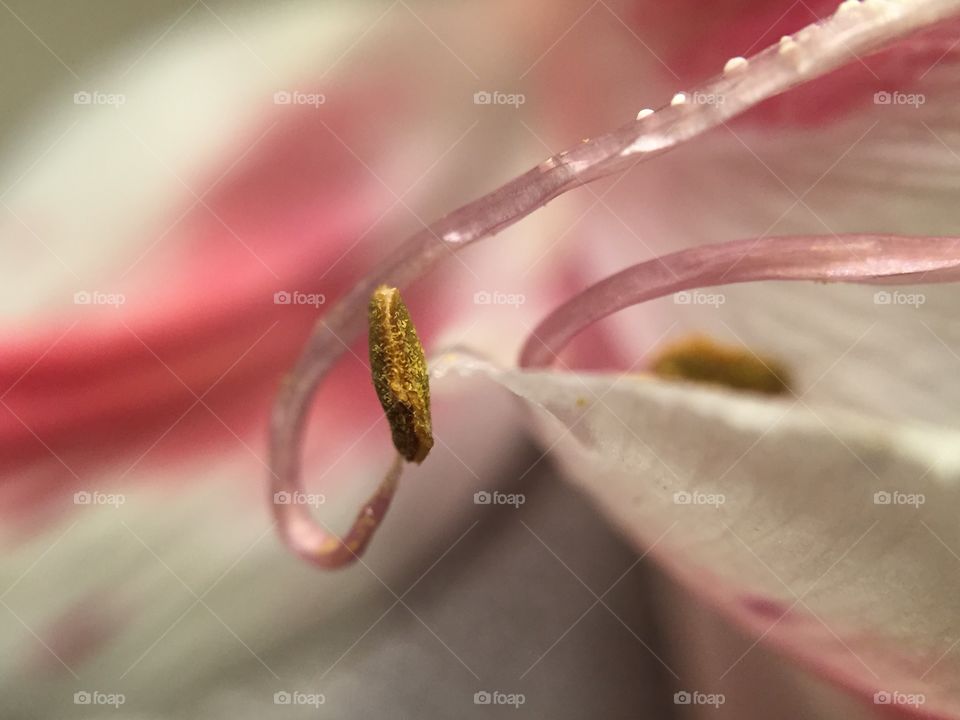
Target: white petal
778,522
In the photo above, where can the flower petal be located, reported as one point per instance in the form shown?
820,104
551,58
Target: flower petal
791,519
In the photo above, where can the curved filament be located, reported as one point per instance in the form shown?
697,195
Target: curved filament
845,258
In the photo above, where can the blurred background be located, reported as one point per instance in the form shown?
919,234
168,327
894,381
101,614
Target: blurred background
184,188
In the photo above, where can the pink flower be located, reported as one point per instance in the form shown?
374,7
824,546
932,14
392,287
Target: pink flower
206,203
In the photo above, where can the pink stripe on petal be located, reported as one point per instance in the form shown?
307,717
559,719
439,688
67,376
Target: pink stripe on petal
191,360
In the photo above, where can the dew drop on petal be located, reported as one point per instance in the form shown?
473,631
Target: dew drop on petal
787,44
735,64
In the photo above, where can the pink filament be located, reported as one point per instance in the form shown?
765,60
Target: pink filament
327,550
845,258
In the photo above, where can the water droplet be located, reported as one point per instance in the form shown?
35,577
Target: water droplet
735,64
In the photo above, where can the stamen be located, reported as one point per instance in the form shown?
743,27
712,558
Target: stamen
700,359
400,374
